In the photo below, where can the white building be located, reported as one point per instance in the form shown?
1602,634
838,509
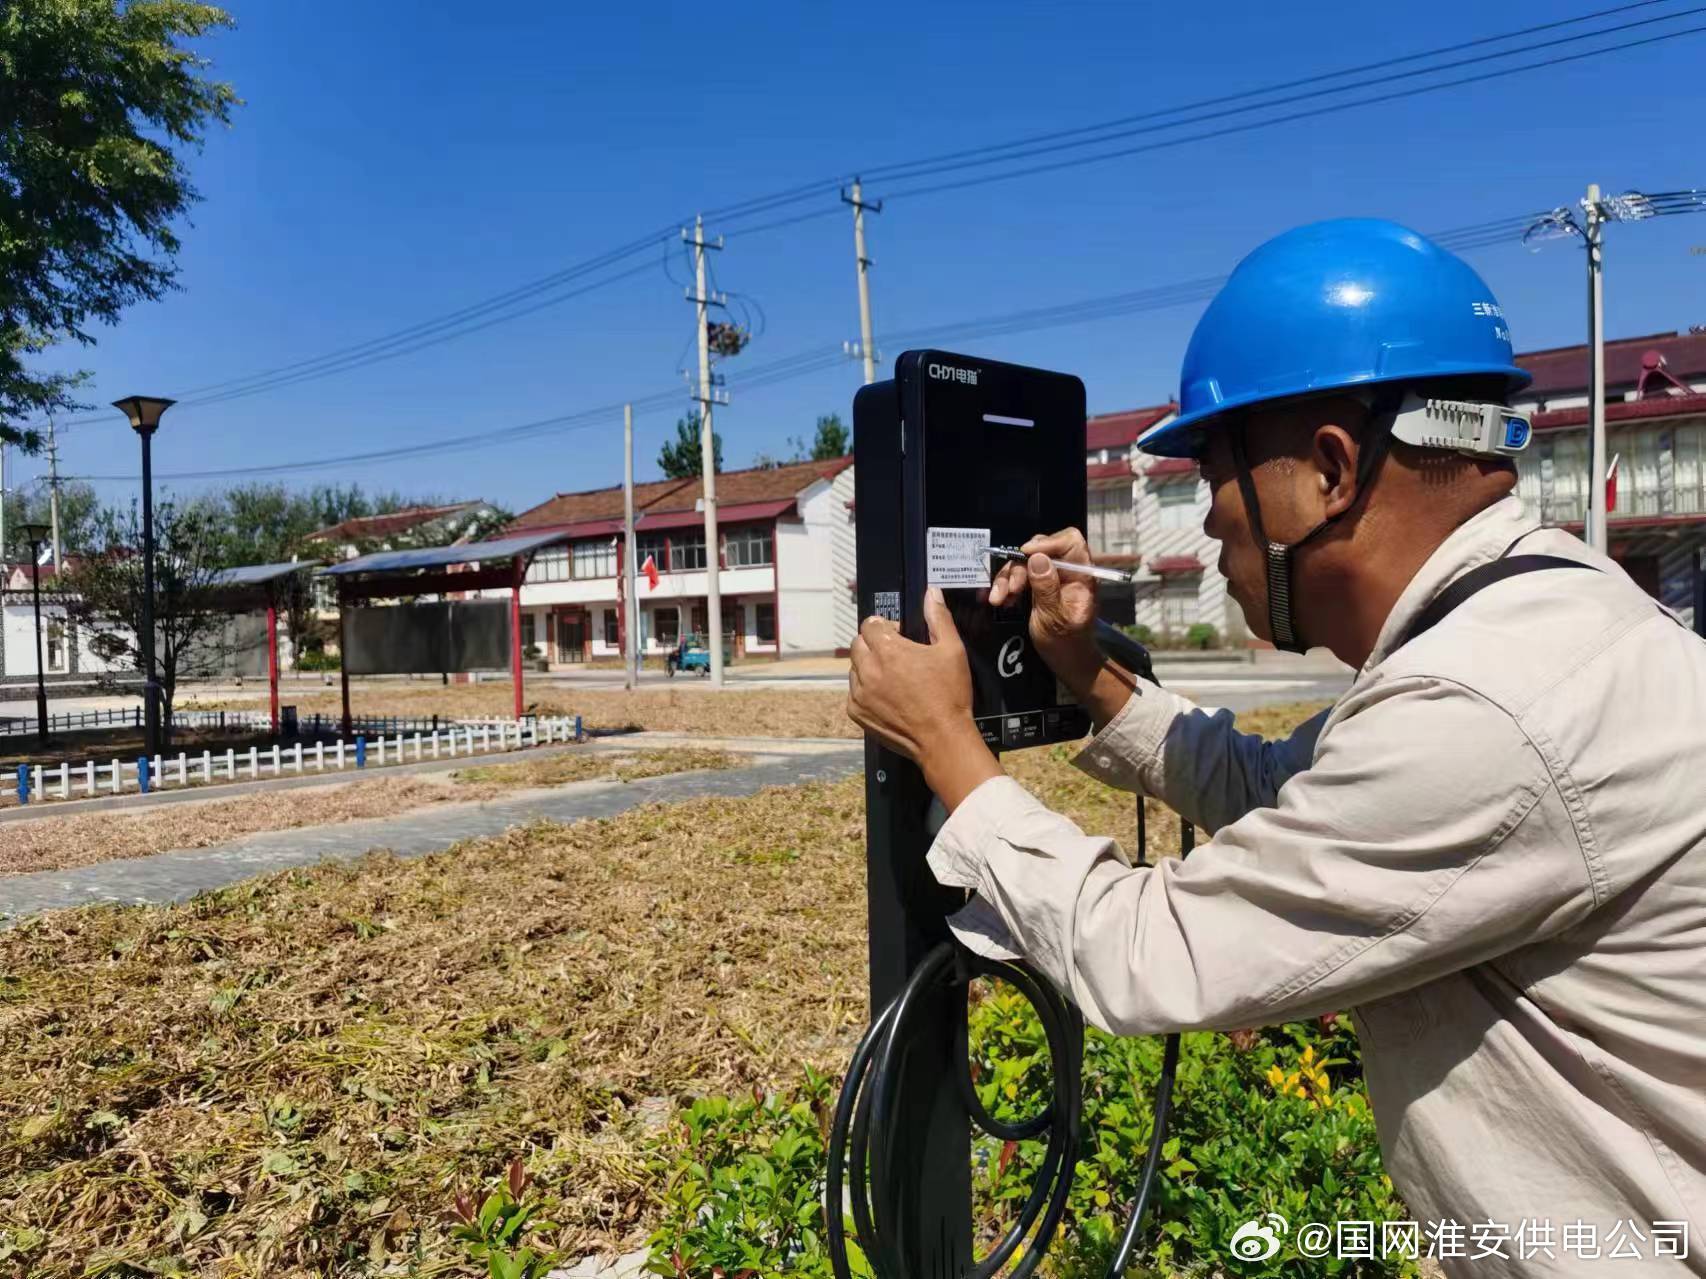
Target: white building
65,649
785,568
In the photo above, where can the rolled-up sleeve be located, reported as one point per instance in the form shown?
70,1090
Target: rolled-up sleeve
1428,835
1193,759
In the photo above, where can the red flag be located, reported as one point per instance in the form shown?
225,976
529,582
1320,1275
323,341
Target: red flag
1611,483
650,569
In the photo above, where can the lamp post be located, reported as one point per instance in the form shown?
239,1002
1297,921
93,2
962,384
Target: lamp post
144,413
35,535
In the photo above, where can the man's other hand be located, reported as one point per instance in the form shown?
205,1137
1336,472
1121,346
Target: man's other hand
917,699
1063,605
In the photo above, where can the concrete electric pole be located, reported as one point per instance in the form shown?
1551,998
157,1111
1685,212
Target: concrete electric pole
53,492
1595,529
707,450
866,347
630,597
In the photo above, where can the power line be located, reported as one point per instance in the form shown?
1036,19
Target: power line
502,307
800,364
1251,126
995,151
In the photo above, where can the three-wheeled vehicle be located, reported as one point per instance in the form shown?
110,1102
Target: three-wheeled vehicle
692,653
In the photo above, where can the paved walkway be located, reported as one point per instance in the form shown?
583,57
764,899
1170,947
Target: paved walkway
174,876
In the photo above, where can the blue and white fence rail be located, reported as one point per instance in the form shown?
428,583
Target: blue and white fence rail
258,721
38,782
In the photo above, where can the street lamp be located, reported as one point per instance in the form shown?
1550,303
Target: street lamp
144,413
35,535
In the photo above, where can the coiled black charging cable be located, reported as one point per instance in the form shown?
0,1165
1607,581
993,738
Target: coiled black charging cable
869,1098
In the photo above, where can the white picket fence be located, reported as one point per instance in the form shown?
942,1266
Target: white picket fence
68,781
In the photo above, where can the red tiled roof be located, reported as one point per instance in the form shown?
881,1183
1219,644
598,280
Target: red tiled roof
1175,564
1164,467
1118,469
1118,430
734,488
1564,369
1659,406
386,525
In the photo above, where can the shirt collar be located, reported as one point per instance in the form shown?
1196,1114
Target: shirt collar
1478,540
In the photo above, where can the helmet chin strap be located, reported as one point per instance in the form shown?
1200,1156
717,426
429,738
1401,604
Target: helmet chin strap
1280,556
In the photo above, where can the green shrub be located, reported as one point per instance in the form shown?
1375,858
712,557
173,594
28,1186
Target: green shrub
1282,1126
317,659
1141,633
1202,635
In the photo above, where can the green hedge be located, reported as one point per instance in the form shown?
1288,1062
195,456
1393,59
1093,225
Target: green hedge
1282,1126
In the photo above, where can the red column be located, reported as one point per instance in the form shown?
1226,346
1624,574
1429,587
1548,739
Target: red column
515,633
272,660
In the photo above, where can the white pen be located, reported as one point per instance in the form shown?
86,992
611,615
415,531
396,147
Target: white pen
1064,566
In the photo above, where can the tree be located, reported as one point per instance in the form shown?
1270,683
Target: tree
832,440
103,598
681,459
97,96
79,513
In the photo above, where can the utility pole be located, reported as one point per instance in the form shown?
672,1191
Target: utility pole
4,545
866,347
1595,529
630,597
53,491
708,451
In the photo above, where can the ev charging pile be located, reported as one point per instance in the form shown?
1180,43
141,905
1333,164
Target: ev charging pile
953,455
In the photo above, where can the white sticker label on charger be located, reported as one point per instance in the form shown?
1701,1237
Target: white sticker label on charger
955,557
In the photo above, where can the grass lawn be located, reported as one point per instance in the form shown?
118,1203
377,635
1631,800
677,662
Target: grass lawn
296,1075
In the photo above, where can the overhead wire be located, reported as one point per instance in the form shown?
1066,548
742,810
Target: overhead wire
503,308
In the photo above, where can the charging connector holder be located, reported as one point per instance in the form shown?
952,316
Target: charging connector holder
1465,426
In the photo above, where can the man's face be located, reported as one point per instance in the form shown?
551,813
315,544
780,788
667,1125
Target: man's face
1241,562
1283,486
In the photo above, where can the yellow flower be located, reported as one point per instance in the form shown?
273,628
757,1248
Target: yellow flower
1276,1076
1308,1055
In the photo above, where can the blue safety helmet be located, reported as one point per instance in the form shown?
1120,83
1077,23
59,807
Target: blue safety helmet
1347,303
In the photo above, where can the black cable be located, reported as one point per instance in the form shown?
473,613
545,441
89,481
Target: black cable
870,1100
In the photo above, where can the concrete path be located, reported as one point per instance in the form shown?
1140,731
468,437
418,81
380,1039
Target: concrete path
174,876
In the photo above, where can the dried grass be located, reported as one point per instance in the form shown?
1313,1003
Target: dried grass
64,841
293,1075
557,770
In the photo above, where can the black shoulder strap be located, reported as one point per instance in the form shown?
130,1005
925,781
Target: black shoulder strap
1479,579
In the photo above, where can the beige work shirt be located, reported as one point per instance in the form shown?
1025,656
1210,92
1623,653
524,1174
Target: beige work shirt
1492,850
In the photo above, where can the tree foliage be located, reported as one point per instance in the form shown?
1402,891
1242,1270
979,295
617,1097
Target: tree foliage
832,439
79,514
99,98
104,597
682,458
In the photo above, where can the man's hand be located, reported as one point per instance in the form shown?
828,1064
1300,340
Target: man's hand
1063,605
917,699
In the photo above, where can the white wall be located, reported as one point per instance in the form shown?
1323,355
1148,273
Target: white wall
20,642
1214,606
816,612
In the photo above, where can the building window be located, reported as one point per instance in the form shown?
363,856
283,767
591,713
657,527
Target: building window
650,546
56,648
1179,604
1178,502
1112,530
611,639
687,551
748,548
529,632
666,626
550,564
764,622
595,558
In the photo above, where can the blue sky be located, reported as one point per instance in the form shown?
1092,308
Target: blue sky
398,160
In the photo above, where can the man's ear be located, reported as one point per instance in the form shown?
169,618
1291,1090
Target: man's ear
1333,459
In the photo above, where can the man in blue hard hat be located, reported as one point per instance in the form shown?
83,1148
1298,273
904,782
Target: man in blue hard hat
1492,848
